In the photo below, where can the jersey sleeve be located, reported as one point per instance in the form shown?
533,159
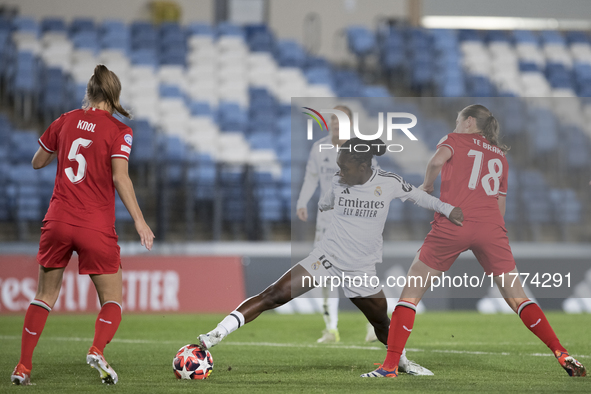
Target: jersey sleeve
504,181
447,141
121,147
48,141
424,200
326,202
399,188
310,181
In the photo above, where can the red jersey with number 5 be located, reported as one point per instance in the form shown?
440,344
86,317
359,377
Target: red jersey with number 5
473,177
85,142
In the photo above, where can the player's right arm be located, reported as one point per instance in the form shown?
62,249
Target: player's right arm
309,186
125,189
441,156
42,158
48,144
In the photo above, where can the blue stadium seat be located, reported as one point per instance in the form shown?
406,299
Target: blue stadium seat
579,37
144,57
198,28
81,25
576,148
202,174
552,37
289,54
201,108
144,143
53,25
23,145
469,35
361,41
259,38
525,36
232,117
497,36
170,91
229,29
26,24
566,206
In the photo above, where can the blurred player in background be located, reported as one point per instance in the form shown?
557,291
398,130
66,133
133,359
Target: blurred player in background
474,172
321,167
352,245
92,148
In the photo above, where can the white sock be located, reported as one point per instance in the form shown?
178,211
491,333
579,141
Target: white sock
333,312
231,323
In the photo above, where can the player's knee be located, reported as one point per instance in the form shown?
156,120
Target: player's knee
48,297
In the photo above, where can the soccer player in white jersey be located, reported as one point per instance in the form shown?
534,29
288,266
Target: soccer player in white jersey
320,169
351,247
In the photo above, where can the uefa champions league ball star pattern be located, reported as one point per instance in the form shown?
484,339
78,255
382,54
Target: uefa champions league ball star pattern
192,363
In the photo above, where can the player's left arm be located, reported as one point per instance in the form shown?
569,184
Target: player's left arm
42,158
122,182
441,156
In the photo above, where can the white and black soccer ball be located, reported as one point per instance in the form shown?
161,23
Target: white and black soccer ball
192,363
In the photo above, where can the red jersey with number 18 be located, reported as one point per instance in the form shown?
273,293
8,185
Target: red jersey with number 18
85,142
473,177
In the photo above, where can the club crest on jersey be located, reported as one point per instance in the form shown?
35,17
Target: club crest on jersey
378,191
316,265
128,138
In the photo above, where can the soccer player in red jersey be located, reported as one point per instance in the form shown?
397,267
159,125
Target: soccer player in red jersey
474,172
92,148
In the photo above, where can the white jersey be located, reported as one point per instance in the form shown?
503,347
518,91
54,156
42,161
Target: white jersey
354,237
320,168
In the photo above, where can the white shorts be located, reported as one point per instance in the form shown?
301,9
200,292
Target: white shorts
358,283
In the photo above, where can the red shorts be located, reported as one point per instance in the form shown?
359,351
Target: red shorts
98,252
488,241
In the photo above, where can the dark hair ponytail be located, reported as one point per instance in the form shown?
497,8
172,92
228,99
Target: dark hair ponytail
363,151
104,85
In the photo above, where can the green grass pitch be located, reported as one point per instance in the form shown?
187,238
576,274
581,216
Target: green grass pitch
468,352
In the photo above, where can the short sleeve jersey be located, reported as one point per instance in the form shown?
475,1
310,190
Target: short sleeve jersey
85,142
474,177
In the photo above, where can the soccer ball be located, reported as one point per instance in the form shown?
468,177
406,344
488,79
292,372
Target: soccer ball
191,362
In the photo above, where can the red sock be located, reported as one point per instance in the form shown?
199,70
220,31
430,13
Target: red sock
107,323
401,324
535,320
35,319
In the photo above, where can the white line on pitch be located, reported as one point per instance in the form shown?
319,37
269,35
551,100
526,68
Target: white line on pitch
296,345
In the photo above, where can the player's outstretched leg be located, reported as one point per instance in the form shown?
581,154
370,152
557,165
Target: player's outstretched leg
48,288
330,315
288,287
403,320
375,309
535,320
